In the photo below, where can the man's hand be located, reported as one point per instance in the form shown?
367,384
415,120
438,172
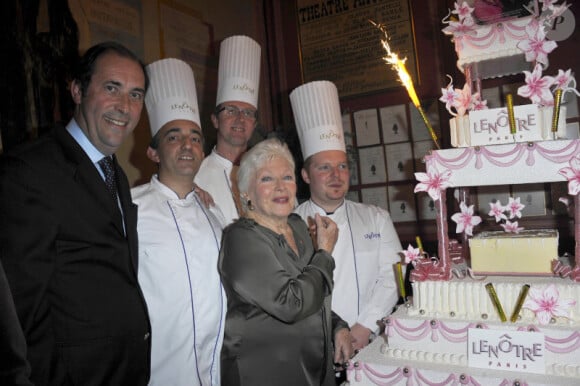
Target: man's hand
360,336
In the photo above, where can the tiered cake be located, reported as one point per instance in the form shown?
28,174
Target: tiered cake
517,326
496,49
427,342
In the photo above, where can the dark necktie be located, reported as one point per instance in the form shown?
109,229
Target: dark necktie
108,168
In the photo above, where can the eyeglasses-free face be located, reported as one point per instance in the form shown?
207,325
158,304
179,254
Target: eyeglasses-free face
234,112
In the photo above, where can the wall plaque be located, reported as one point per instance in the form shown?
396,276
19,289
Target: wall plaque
338,43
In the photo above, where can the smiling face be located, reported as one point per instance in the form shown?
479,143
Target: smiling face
233,131
328,176
110,108
179,151
273,191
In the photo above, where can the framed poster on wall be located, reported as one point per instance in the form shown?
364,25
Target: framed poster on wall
338,43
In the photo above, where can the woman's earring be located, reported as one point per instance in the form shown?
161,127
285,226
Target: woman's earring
250,206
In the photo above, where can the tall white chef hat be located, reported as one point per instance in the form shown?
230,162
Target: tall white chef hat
171,94
317,115
239,70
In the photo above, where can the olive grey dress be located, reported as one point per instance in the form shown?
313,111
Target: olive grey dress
279,325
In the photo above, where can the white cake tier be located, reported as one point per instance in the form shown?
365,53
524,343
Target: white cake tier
493,49
491,126
518,163
380,365
468,300
447,339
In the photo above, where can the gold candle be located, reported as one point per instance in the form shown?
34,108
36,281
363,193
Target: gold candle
419,244
401,281
520,302
428,125
556,112
495,301
511,117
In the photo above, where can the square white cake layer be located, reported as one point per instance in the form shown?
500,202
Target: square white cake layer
529,252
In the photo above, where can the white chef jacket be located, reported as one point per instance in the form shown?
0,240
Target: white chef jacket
365,286
215,176
179,241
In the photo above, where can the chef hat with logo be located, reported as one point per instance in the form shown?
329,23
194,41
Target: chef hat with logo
239,70
171,94
317,115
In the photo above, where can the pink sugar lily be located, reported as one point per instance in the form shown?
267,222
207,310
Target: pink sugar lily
465,219
477,103
412,254
515,207
496,210
537,88
547,304
448,96
511,227
572,174
462,10
460,28
563,79
536,47
433,183
462,99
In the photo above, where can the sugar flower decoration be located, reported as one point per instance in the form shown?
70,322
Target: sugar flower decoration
463,99
497,210
477,103
566,82
433,183
466,26
563,79
462,10
412,254
465,219
572,174
547,304
448,94
511,227
536,47
515,207
537,88
459,101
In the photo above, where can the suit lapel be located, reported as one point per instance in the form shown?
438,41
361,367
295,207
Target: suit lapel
87,176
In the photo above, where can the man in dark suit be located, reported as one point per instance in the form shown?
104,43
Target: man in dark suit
68,235
14,369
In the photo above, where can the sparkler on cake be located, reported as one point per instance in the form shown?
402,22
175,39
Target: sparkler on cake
398,65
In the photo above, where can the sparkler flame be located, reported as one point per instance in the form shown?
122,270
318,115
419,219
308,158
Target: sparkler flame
398,65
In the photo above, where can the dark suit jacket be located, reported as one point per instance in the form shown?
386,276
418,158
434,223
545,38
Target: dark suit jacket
14,369
72,270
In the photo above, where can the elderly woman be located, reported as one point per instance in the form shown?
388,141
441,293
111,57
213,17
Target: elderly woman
279,326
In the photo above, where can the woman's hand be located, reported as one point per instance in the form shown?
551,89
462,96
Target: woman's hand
324,232
343,350
204,196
